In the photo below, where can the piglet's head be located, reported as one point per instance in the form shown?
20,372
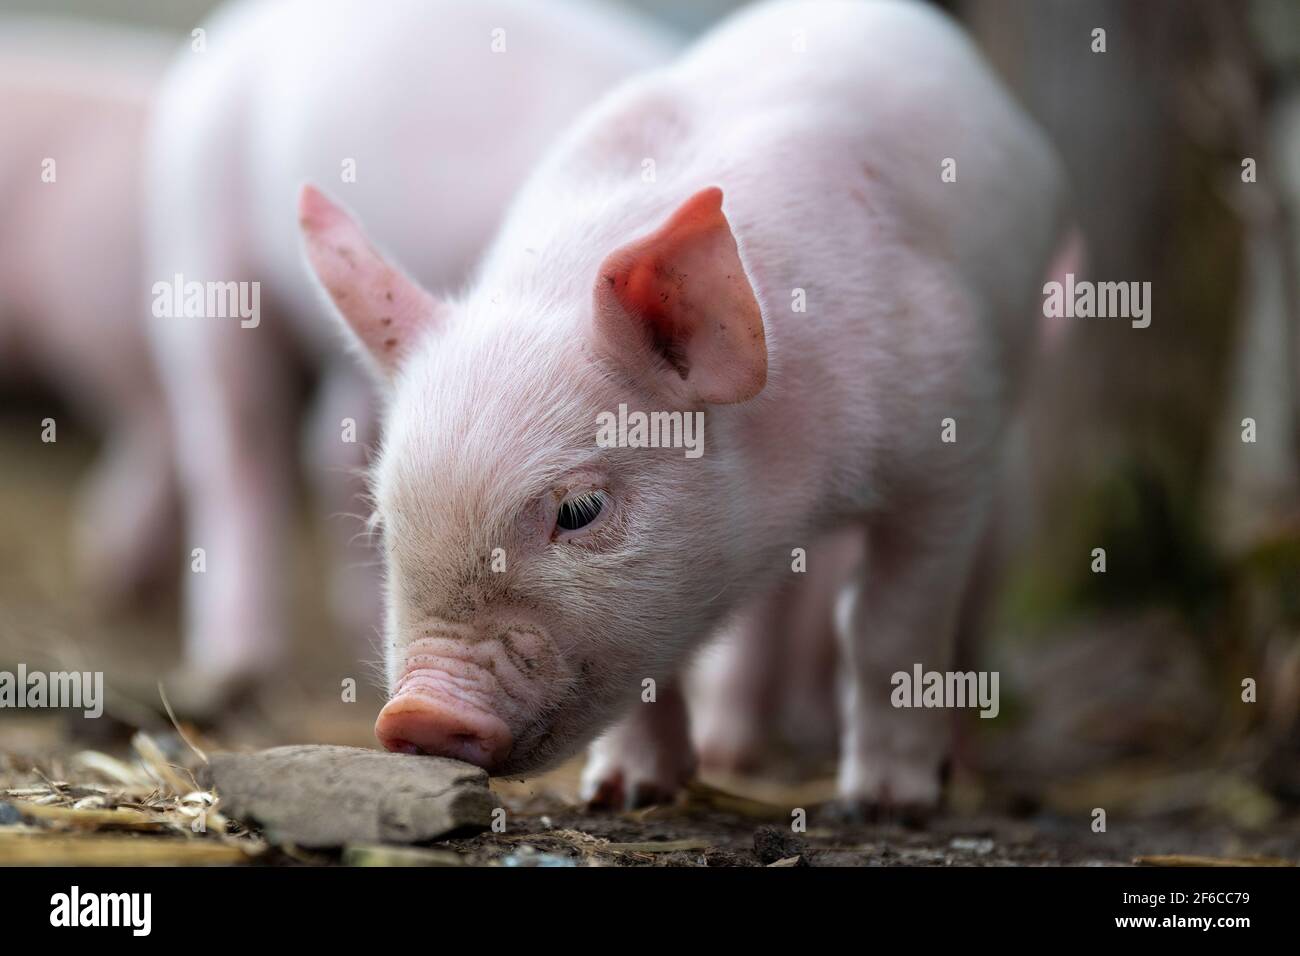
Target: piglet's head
538,574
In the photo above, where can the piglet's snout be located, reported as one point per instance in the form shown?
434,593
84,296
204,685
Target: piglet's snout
443,726
459,696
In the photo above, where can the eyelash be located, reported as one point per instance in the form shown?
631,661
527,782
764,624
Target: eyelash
583,509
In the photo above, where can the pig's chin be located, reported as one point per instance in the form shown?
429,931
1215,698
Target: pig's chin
548,749
548,742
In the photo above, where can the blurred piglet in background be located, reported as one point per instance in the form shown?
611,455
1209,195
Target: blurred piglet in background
539,577
72,316
426,115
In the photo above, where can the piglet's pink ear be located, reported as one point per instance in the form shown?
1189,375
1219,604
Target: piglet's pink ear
386,310
677,304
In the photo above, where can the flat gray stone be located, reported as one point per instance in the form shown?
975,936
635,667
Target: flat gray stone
327,796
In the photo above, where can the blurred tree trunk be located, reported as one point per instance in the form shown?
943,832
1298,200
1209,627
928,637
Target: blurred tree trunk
1142,131
1257,484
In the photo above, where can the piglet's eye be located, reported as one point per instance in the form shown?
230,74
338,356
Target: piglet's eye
581,510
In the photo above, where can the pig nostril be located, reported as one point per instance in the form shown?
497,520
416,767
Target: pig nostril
403,747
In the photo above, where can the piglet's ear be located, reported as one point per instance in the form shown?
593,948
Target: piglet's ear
384,309
677,304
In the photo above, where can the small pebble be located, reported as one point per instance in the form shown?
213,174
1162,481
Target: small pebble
976,845
527,855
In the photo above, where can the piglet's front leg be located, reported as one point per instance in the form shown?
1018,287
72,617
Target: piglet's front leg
643,759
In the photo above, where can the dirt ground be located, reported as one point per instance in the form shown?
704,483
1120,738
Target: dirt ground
111,805
120,790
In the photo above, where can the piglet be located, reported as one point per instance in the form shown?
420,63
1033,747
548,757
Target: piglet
427,115
822,232
75,100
